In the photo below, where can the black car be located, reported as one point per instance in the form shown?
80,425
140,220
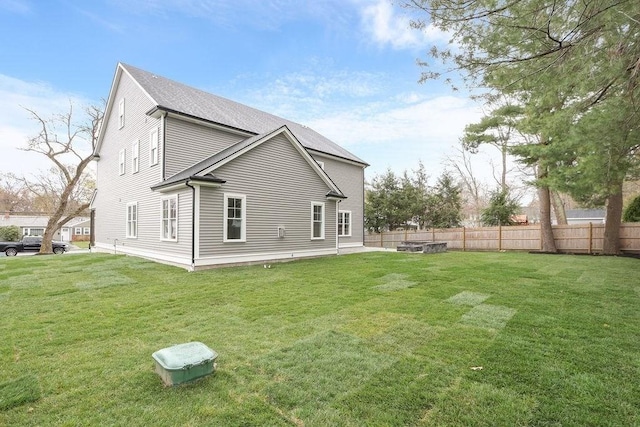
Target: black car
31,244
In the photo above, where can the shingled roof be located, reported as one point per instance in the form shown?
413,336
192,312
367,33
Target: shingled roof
179,98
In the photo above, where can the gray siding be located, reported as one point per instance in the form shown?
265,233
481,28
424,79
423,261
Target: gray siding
115,191
188,143
350,180
279,186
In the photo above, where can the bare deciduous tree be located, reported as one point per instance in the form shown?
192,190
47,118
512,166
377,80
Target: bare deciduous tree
13,195
474,191
69,145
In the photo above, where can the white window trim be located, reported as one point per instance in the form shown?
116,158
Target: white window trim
77,231
225,215
29,230
154,142
162,237
135,234
121,114
349,223
135,156
122,161
86,231
321,237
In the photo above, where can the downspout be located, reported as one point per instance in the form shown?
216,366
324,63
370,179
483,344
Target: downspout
163,121
364,201
193,226
337,219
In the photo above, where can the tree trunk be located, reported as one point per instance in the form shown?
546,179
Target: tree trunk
613,220
558,208
46,246
546,231
503,177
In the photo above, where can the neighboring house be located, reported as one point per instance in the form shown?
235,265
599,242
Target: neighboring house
34,225
585,216
192,179
79,230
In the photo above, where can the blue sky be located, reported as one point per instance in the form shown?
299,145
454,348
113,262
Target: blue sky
346,68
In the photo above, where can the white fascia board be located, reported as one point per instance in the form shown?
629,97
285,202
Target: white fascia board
201,122
296,144
177,186
337,158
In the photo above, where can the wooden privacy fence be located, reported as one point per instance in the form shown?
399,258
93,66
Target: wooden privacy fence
578,238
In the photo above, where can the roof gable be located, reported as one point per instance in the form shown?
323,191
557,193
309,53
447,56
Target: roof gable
171,96
207,167
120,70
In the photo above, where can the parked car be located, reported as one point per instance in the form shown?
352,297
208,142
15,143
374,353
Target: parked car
30,244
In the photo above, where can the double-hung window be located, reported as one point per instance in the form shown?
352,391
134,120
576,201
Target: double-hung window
153,147
344,223
135,157
317,221
170,219
121,114
121,161
132,220
235,218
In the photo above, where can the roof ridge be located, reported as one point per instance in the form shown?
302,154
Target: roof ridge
179,97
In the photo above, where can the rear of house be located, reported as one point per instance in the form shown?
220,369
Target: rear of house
188,178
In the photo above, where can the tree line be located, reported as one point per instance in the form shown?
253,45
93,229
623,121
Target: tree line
393,201
564,77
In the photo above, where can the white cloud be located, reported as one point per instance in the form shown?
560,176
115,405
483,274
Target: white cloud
366,114
110,25
262,15
15,123
16,6
307,94
381,21
405,131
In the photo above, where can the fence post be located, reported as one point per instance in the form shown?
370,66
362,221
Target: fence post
433,234
405,234
590,237
499,237
381,239
464,239
540,236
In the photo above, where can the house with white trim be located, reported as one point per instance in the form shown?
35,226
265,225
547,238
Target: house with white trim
35,225
192,179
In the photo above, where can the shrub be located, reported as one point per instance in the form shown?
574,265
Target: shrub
632,212
500,210
10,233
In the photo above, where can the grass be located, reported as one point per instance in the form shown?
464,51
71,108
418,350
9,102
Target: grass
19,391
377,339
81,245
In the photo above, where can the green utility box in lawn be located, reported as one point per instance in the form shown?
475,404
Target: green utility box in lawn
183,363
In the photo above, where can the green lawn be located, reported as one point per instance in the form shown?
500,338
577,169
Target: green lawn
454,339
81,245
